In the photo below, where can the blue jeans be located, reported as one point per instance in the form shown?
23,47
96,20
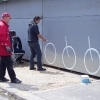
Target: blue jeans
35,50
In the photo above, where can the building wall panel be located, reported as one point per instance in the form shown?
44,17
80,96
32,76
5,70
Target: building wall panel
73,33
70,26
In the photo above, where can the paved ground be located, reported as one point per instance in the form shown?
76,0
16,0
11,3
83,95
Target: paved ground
3,98
51,84
4,95
77,92
34,81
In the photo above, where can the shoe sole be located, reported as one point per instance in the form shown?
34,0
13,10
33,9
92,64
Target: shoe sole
4,81
16,82
41,70
33,69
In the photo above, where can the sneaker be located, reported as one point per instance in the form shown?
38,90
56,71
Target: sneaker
32,68
21,62
16,81
41,69
4,80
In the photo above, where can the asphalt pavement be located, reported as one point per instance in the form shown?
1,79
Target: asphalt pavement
3,98
35,80
81,91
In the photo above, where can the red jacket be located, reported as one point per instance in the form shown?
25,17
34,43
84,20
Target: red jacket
4,38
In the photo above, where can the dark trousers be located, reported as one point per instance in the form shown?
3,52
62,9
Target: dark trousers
16,50
35,50
6,62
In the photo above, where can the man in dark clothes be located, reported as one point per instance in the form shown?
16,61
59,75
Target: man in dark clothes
17,46
5,50
33,35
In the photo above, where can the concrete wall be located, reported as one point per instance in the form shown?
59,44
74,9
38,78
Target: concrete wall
71,27
22,13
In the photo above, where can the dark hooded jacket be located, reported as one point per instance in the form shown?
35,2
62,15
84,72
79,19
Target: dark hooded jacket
17,43
33,31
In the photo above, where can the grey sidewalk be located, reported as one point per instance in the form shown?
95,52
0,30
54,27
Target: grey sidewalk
49,82
3,98
76,92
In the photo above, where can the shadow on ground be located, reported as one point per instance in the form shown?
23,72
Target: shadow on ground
23,87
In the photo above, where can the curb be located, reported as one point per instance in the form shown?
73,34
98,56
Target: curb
18,94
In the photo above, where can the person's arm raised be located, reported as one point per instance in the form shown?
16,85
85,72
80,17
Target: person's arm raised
41,37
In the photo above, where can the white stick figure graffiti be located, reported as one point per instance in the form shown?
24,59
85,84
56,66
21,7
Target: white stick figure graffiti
66,49
46,54
90,50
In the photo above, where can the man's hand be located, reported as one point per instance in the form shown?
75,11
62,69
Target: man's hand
8,49
44,39
41,37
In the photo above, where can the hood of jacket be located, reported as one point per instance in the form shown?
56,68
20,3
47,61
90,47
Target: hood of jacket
32,22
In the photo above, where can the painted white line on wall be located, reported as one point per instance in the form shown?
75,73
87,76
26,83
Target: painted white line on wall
46,54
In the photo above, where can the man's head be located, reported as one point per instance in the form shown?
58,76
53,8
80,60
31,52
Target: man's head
13,33
6,17
37,19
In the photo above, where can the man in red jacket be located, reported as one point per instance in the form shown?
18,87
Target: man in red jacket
6,50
